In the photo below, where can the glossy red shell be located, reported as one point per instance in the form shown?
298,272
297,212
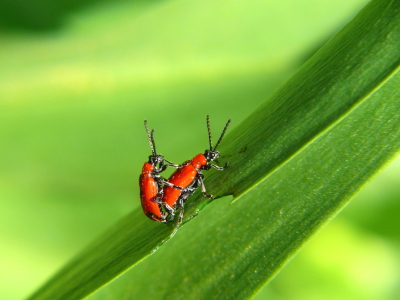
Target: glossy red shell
183,177
198,161
148,193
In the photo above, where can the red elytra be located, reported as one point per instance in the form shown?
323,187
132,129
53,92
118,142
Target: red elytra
151,183
190,176
149,193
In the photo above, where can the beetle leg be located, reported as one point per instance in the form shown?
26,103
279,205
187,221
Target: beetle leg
170,210
165,208
170,164
181,206
218,167
203,188
173,186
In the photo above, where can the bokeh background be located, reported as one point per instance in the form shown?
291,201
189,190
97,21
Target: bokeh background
77,78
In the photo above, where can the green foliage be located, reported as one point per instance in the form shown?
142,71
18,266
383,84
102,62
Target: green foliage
294,163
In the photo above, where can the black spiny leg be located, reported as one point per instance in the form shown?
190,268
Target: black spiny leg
165,208
163,167
218,167
203,188
181,207
172,185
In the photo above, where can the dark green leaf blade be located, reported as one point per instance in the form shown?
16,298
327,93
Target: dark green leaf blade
119,248
342,74
232,251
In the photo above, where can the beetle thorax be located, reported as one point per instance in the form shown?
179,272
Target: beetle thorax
147,168
199,161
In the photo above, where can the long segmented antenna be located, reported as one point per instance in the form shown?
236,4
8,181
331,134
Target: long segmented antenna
151,139
222,135
153,142
209,132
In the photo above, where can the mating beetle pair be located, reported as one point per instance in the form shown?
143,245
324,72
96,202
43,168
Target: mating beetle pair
161,198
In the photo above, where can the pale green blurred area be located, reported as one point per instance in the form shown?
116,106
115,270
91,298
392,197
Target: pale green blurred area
72,143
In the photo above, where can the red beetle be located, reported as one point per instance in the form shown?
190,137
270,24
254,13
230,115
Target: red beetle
151,182
189,177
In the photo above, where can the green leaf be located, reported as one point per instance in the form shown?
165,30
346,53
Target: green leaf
294,163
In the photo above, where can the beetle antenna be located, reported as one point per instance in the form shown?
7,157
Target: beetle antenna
151,139
209,132
222,134
154,143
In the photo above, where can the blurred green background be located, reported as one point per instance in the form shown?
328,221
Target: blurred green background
78,78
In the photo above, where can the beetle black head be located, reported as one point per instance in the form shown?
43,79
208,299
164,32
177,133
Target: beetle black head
154,158
213,154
